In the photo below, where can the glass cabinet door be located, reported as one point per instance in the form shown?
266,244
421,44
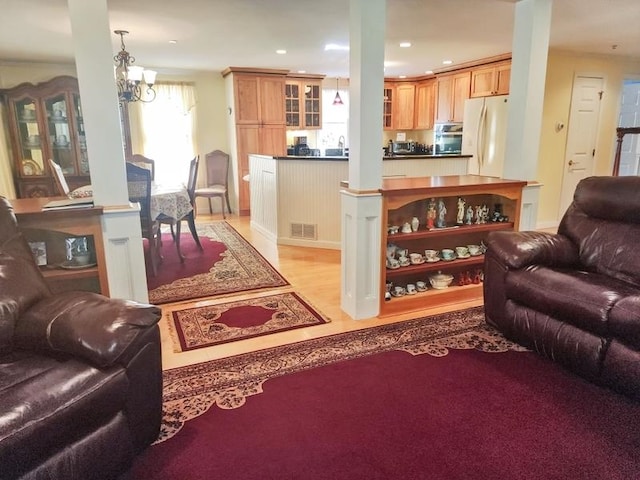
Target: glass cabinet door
292,104
312,105
59,134
31,146
83,158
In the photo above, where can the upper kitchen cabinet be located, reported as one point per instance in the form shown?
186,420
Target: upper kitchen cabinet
491,80
303,102
425,104
45,122
387,106
258,99
452,90
404,106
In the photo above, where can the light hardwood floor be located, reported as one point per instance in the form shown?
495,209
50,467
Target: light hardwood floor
313,273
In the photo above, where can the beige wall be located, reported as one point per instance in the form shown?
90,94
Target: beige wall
561,69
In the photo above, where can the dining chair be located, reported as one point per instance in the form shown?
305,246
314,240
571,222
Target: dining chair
217,179
63,187
139,186
175,224
144,162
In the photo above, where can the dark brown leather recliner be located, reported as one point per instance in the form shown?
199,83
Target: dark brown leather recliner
574,296
80,374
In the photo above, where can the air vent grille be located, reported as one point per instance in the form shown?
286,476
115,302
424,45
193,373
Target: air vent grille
304,230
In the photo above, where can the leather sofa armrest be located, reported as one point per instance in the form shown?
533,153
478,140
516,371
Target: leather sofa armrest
519,249
98,329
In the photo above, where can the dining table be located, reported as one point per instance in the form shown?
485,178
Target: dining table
172,204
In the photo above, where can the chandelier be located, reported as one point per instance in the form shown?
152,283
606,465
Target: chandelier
129,77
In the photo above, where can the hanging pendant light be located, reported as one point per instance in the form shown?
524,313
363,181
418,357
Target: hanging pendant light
130,78
337,100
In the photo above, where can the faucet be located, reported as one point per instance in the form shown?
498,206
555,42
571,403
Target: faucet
341,141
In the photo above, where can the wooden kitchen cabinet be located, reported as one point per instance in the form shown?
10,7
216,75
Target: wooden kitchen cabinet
425,104
452,90
387,106
50,230
405,198
491,80
303,102
259,121
404,106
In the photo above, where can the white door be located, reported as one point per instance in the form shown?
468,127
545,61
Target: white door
630,117
581,136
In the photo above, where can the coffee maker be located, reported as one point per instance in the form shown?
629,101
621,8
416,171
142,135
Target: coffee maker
300,147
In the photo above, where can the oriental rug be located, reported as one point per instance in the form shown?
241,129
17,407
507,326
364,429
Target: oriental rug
231,320
434,398
228,265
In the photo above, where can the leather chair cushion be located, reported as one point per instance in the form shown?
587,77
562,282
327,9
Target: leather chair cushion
580,298
624,321
47,403
84,324
21,285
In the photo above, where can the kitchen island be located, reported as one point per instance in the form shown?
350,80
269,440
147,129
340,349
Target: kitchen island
296,200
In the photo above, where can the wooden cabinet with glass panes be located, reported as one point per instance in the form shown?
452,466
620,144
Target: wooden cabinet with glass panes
45,122
387,106
303,102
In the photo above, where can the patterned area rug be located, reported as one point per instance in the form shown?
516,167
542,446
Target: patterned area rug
190,391
230,265
240,319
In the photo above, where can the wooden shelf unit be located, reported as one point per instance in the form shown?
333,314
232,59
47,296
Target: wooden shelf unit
52,227
404,198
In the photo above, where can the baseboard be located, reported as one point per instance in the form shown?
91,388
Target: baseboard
263,231
309,243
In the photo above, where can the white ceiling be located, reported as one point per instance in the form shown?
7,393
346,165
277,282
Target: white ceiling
214,34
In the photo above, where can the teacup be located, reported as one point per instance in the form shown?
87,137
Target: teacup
462,251
474,249
415,258
404,261
447,254
431,255
398,291
402,252
421,286
411,289
392,263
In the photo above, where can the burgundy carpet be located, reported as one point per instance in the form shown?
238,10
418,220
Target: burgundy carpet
229,264
432,403
233,320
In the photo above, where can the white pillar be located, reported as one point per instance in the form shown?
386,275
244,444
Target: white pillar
526,90
361,202
121,221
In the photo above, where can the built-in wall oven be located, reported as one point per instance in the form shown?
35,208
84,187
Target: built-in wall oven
447,139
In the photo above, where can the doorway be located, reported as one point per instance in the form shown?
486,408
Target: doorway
581,137
630,117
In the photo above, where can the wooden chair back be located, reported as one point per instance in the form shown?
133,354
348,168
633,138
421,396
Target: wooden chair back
217,168
144,162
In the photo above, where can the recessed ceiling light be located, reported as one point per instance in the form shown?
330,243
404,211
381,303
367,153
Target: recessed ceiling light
402,76
429,72
335,46
405,44
173,42
302,71
447,62
281,52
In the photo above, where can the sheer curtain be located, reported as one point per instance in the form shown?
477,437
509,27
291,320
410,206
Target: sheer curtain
164,130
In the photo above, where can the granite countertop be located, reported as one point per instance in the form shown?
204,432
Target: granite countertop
391,157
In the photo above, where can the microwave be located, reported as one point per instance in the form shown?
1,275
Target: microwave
403,148
447,138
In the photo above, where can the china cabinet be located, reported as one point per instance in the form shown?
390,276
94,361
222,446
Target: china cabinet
50,233
406,198
45,122
491,80
452,91
303,102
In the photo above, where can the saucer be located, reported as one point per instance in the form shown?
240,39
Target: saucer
405,264
432,260
396,294
475,254
412,292
422,260
393,267
464,256
449,259
421,289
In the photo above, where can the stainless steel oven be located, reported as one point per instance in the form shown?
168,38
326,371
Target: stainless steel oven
447,138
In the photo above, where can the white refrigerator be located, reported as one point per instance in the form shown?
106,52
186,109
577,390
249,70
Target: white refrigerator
484,131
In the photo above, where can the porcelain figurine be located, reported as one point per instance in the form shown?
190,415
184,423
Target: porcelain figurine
442,211
431,214
469,216
461,210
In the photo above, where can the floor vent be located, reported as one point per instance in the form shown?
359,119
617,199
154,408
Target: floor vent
304,230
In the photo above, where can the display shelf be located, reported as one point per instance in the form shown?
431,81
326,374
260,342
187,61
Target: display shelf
405,198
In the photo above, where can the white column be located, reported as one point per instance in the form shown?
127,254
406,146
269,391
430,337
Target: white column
361,203
121,220
526,90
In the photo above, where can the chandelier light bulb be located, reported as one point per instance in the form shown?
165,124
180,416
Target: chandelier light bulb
129,77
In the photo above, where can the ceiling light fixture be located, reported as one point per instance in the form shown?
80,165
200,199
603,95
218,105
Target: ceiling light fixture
337,100
281,52
335,46
405,44
447,62
130,76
